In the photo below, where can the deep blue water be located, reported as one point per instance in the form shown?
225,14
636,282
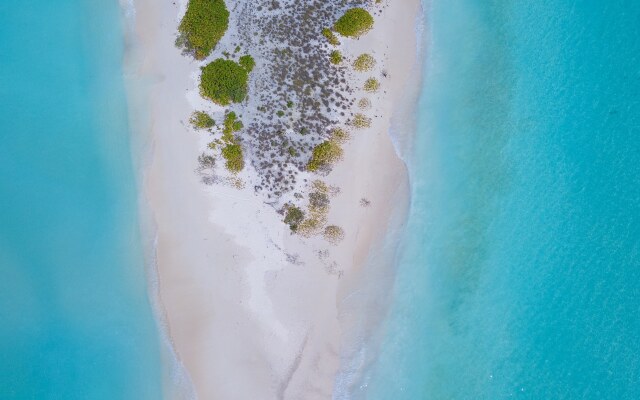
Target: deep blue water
75,320
519,274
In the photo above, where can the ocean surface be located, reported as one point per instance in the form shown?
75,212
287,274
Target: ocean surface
75,319
519,273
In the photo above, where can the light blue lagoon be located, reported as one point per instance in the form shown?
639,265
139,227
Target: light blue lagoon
519,274
75,319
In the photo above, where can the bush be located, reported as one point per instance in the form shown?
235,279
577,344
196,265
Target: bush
333,234
364,103
201,120
335,57
371,85
202,27
247,62
364,62
324,154
339,135
232,153
361,121
330,36
223,82
354,23
294,217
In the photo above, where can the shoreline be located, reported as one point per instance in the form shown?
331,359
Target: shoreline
243,299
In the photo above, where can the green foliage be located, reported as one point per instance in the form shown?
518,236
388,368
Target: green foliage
232,153
202,27
247,62
201,120
333,234
364,62
354,23
280,113
361,121
289,104
364,103
294,217
330,36
335,57
324,154
223,82
371,85
339,135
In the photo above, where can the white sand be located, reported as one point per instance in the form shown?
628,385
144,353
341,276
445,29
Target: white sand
252,311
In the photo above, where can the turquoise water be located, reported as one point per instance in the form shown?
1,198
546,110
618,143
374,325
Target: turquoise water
520,268
75,321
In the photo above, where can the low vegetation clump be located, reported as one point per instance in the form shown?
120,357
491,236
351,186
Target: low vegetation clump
201,120
247,62
361,121
333,234
224,82
330,36
202,27
371,85
324,154
354,23
364,62
335,57
294,217
232,151
339,135
364,103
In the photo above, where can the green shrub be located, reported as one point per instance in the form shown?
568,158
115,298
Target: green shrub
354,23
371,85
339,135
247,62
364,103
202,27
201,120
324,154
223,82
335,57
232,153
333,234
330,36
294,217
361,121
280,113
364,62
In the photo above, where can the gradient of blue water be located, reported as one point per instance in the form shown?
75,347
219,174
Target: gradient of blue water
520,269
75,321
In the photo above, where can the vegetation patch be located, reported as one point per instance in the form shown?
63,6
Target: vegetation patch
361,121
247,62
339,135
224,82
294,217
354,23
371,85
232,151
324,154
201,120
333,234
202,27
364,62
335,57
364,103
330,36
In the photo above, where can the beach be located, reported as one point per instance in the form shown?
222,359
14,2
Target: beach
252,311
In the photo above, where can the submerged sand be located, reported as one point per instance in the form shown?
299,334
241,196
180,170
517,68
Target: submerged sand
252,311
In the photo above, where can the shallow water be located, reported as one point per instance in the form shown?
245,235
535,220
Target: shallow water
75,317
519,274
